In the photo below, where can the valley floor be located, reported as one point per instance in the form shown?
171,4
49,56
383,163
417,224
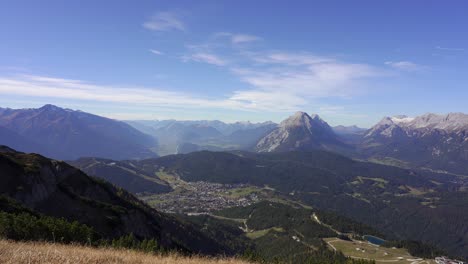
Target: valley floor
38,252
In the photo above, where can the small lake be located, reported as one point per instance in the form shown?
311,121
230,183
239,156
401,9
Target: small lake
374,240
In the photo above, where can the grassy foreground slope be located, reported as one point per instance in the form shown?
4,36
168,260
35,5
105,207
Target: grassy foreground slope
38,252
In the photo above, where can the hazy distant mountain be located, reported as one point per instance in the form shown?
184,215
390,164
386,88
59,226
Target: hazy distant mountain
184,133
224,128
346,130
349,134
68,134
300,132
142,126
248,138
430,140
230,128
176,133
187,136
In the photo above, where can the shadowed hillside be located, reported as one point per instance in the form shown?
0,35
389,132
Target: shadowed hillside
56,189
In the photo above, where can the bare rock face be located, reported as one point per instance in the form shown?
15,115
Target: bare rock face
299,132
428,123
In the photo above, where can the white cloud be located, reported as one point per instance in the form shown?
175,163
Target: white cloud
449,49
289,58
331,109
39,86
280,101
156,52
305,75
243,38
164,21
404,65
205,58
276,81
59,88
237,38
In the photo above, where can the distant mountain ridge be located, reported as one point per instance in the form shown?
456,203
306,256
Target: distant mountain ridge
430,140
223,127
68,134
346,130
452,122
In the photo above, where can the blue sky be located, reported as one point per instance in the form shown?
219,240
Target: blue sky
351,62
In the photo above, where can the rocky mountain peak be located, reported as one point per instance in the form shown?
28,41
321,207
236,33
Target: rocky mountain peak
302,119
50,107
298,119
299,131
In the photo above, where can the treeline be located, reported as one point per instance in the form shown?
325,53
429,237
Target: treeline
320,256
22,224
130,242
26,226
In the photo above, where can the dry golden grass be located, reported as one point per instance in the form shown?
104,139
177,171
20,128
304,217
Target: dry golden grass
38,252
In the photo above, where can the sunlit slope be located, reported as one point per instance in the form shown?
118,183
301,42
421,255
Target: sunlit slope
35,252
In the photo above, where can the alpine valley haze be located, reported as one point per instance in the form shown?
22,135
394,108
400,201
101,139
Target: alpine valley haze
234,132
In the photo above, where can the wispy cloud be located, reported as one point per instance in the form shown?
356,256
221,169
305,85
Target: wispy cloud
59,88
282,80
39,86
405,65
274,81
164,21
205,58
449,49
304,75
243,38
273,100
237,38
156,52
289,58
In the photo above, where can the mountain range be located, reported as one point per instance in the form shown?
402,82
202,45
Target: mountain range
431,141
404,178
434,141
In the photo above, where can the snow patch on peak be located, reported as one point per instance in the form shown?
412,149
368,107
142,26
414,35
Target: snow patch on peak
401,119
